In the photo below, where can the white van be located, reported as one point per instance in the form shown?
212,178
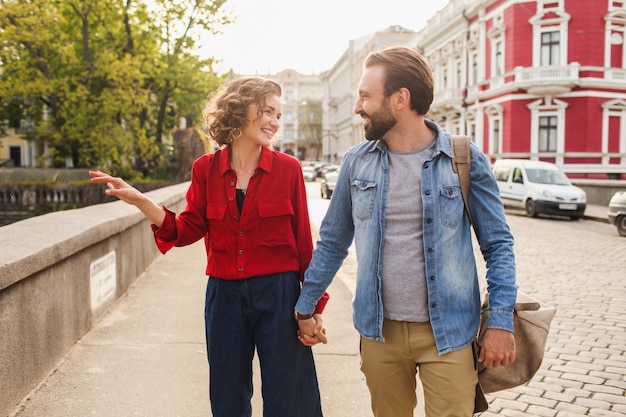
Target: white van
538,187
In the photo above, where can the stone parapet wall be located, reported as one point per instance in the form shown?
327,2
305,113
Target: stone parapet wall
58,273
20,201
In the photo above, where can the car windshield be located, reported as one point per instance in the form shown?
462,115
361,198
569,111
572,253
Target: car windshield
544,176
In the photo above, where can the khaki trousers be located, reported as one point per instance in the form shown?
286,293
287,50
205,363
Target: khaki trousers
390,368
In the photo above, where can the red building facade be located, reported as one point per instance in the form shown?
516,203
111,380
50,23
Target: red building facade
538,79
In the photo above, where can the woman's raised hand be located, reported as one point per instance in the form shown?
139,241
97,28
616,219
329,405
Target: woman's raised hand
118,187
121,189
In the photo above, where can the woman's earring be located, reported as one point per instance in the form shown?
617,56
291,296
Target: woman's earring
235,134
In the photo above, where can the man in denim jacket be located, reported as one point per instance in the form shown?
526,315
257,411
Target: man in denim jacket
417,301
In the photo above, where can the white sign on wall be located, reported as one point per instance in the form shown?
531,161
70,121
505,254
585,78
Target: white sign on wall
103,280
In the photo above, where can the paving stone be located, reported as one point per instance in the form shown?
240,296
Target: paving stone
610,398
539,411
538,401
576,409
593,404
582,378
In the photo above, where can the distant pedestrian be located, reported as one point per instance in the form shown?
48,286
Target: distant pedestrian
249,204
417,301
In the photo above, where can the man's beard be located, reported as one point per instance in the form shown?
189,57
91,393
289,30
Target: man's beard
381,122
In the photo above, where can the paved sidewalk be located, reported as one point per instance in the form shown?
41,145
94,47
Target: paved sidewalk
146,355
596,212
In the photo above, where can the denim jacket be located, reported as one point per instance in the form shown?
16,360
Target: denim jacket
357,210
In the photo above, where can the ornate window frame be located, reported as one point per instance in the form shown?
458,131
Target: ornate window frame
613,108
545,108
550,17
494,117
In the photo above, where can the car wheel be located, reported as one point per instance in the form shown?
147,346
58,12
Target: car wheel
531,208
621,225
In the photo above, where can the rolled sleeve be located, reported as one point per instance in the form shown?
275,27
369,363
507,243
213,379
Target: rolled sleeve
165,236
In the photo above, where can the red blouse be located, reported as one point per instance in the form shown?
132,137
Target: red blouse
272,234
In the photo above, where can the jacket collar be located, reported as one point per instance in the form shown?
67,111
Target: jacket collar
442,145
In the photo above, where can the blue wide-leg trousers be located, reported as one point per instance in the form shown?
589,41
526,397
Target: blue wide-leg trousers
257,313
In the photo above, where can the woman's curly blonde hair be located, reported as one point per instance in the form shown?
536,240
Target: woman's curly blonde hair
225,114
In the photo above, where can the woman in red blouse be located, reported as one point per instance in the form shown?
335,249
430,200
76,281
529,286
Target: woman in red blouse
249,204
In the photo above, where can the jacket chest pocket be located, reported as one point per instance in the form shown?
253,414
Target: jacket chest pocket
450,205
363,193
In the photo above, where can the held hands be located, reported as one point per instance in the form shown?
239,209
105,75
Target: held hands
311,332
498,348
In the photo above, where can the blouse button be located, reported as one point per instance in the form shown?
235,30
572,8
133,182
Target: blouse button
236,217
232,184
432,277
428,192
240,233
240,251
429,221
430,250
230,199
240,269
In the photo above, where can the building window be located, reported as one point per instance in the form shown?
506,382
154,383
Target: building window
474,68
550,48
494,113
496,35
548,133
614,133
495,136
550,26
548,128
498,58
288,135
614,45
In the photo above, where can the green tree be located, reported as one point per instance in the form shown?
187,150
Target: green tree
310,126
109,77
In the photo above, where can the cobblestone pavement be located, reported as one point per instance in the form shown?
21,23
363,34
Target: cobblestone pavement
579,267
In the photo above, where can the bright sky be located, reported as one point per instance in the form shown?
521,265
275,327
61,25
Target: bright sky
272,35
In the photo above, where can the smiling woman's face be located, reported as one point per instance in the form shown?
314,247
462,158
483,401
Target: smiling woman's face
263,120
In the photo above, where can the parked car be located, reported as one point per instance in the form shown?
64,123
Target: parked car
327,186
309,173
538,187
323,169
617,212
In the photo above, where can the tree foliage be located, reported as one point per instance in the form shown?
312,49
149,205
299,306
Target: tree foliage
105,81
310,125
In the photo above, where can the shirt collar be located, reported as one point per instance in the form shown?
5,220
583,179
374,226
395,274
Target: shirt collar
265,162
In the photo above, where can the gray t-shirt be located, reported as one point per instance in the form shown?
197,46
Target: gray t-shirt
404,290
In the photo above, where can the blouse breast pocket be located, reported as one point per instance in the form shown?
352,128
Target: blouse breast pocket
363,193
216,226
451,205
276,222
215,212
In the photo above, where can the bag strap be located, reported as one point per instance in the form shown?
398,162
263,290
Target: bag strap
461,164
